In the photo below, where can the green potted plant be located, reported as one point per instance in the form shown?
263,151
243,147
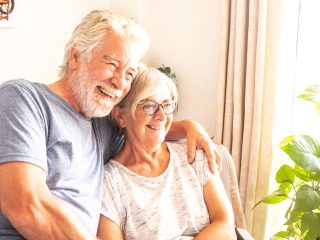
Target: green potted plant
300,184
167,70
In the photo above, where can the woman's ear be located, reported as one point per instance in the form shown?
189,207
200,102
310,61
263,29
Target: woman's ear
117,115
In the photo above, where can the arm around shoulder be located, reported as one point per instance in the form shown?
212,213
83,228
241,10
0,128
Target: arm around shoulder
196,137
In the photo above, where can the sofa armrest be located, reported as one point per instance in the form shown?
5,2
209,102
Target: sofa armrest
243,234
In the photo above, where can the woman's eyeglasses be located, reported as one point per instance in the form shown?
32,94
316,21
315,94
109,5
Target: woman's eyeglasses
150,107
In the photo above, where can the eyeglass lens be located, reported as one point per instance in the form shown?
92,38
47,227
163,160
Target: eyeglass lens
151,107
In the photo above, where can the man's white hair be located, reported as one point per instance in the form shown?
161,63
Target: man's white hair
88,34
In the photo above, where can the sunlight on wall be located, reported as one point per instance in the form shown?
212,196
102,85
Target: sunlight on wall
33,48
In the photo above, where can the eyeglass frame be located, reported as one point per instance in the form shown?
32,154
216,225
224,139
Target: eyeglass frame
141,105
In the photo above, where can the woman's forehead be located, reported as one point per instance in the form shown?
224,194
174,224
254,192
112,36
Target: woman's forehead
162,94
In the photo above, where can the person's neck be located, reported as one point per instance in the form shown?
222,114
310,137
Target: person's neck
63,90
148,162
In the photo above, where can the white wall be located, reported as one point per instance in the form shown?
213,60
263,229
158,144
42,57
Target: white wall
184,35
34,47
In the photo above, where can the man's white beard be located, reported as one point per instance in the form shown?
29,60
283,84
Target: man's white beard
91,105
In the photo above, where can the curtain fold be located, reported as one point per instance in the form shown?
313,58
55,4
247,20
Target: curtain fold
246,98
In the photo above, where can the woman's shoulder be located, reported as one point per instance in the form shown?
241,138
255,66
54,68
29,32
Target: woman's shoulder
180,147
179,152
177,146
111,166
111,170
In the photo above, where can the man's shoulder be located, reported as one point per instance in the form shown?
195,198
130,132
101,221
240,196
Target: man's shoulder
20,86
17,83
22,91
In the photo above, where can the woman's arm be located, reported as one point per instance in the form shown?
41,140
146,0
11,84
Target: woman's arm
220,212
108,229
197,138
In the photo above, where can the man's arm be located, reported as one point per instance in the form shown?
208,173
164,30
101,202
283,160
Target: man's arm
196,137
30,207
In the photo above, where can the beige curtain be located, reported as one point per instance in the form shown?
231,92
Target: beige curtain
246,98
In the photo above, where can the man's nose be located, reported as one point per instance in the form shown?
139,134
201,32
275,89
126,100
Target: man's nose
119,79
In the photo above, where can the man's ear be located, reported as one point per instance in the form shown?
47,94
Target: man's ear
117,115
73,58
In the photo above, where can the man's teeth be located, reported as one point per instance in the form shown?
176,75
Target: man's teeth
105,91
156,127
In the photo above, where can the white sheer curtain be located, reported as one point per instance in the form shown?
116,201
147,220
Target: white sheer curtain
298,68
247,94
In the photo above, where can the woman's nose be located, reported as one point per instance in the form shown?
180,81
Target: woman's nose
160,113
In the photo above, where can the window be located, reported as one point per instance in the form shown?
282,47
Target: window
299,67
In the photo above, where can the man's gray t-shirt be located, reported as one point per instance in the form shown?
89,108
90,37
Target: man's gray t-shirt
39,127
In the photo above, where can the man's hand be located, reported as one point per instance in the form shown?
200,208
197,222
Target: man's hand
197,138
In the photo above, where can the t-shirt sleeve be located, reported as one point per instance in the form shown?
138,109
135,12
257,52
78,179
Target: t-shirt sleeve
110,135
112,205
22,127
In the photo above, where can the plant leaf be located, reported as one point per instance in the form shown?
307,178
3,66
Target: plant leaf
304,150
307,199
311,94
301,173
294,229
285,174
167,70
286,187
318,107
310,225
275,197
280,235
278,238
288,212
315,176
295,216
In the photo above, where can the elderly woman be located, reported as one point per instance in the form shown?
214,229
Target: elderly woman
150,189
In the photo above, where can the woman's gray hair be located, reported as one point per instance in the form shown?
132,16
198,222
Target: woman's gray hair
88,34
146,84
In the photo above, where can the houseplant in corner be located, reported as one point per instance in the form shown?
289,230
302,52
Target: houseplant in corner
167,70
300,184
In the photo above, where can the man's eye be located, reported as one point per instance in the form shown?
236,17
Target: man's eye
112,66
130,76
